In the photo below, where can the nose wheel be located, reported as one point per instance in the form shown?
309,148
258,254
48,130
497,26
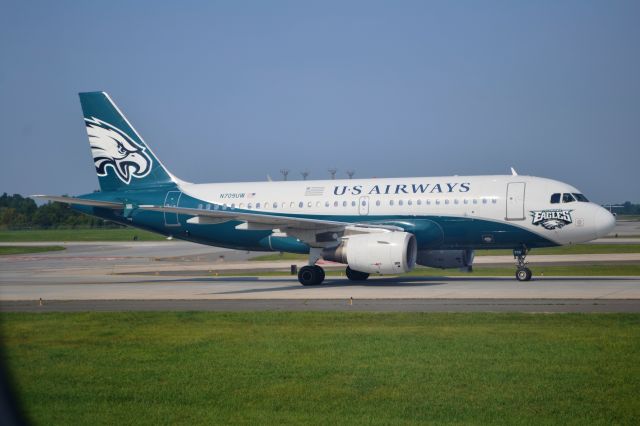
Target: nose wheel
522,273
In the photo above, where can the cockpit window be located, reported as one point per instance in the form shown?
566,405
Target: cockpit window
567,198
580,198
555,198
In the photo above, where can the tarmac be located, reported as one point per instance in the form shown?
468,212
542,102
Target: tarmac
175,275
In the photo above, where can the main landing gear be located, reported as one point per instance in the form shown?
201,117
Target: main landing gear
522,273
356,275
312,274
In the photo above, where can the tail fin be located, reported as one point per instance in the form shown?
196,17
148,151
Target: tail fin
122,159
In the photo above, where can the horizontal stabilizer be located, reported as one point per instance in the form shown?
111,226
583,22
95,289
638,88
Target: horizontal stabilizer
81,201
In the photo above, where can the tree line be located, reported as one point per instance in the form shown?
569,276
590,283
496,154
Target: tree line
18,212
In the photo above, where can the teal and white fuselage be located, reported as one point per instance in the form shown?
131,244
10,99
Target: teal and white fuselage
373,225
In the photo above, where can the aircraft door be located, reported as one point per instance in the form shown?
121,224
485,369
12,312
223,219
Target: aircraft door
363,206
171,200
515,201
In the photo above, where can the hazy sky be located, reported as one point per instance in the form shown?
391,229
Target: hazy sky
226,91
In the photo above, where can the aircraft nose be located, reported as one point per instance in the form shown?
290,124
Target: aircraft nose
604,222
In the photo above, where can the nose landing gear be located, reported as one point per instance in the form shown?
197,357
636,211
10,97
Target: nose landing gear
522,272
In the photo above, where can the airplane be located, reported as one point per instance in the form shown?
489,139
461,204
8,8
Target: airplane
373,226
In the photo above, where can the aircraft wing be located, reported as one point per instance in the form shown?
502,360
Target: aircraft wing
82,201
265,221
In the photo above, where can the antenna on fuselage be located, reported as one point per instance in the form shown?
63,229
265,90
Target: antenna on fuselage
513,172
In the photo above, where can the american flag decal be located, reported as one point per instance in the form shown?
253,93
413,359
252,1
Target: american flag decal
251,194
314,191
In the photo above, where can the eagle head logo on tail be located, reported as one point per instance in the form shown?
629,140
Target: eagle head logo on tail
111,147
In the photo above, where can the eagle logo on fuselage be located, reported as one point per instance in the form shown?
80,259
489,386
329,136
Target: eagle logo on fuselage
551,219
113,148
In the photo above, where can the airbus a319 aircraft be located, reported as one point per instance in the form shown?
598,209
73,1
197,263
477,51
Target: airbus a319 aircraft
374,226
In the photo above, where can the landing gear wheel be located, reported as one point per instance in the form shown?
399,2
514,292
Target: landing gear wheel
356,275
311,275
321,272
523,274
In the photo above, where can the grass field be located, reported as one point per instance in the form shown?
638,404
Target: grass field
85,234
4,250
325,368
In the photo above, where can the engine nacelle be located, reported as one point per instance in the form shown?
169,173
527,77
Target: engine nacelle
379,252
446,259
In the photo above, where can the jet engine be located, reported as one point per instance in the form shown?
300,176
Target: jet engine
379,252
446,259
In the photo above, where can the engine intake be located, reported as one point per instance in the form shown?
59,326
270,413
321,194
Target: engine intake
379,252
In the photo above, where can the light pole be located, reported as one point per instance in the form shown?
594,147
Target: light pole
333,172
350,173
304,175
285,173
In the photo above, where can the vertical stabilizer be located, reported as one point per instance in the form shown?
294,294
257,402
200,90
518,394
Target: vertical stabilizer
122,159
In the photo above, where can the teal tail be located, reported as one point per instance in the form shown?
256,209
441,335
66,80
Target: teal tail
123,160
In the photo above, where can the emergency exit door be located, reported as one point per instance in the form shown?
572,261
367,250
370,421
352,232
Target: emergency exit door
363,206
515,201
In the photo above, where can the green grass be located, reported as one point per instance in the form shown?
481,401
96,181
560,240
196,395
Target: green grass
325,368
575,249
623,269
83,234
4,250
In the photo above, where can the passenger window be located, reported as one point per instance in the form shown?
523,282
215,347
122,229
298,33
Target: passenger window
567,198
419,202
353,203
317,203
249,205
241,205
484,201
275,205
428,202
391,202
456,201
446,201
300,204
326,204
555,198
377,202
438,202
400,202
409,202
309,204
335,204
475,201
233,205
344,204
466,201
494,201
